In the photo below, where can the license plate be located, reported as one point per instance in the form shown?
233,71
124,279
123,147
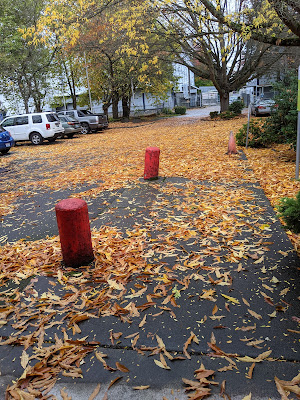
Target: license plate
7,144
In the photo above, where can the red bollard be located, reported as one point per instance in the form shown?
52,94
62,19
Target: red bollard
231,144
151,163
74,232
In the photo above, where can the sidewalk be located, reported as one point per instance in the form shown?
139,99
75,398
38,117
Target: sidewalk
200,272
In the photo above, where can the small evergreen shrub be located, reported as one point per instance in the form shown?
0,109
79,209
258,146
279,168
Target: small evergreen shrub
167,111
236,107
227,114
289,211
180,110
255,137
282,123
213,114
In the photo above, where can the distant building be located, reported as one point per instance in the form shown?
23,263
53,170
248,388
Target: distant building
259,88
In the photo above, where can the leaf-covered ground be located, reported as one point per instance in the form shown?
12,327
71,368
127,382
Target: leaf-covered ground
185,266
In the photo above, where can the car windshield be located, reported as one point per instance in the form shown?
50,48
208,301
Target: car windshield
80,113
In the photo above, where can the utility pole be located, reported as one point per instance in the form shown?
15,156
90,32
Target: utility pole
88,82
298,128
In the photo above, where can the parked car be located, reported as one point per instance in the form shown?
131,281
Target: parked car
89,123
102,117
6,141
263,107
34,127
70,125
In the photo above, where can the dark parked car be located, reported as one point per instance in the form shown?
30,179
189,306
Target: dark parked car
70,125
6,141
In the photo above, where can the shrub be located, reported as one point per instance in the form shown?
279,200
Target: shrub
282,124
180,110
167,111
227,114
255,137
289,210
236,107
213,114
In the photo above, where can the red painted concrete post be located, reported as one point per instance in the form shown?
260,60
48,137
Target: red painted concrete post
231,144
74,232
151,163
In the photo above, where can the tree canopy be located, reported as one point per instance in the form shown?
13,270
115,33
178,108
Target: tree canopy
274,22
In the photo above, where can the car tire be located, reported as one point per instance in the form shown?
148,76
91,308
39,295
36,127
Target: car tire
36,138
4,151
85,128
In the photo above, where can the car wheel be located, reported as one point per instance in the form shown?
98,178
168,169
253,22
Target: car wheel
36,138
4,151
51,139
70,135
85,128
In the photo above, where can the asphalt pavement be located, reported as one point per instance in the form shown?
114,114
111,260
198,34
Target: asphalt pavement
252,309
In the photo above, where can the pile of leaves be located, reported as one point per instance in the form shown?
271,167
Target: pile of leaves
129,279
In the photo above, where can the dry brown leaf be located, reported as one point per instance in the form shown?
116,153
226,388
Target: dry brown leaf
24,359
65,395
141,387
95,392
250,372
114,381
254,314
121,367
143,321
161,365
248,397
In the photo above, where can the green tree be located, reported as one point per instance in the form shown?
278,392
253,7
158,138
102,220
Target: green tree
282,124
274,22
23,66
210,49
123,55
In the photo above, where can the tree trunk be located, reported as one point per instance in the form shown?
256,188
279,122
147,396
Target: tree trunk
224,101
126,106
105,108
115,103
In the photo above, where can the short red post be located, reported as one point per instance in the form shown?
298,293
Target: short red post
231,144
151,163
74,232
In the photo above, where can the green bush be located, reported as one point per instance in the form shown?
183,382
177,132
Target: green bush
213,114
180,110
167,111
289,210
258,136
282,124
227,114
236,107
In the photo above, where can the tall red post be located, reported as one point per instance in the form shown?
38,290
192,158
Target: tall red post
151,163
74,232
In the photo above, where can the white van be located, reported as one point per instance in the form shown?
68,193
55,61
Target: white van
34,127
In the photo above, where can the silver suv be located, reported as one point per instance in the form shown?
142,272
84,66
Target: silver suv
34,127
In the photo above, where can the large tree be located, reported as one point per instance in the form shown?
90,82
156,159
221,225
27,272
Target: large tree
124,55
24,67
275,22
210,49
